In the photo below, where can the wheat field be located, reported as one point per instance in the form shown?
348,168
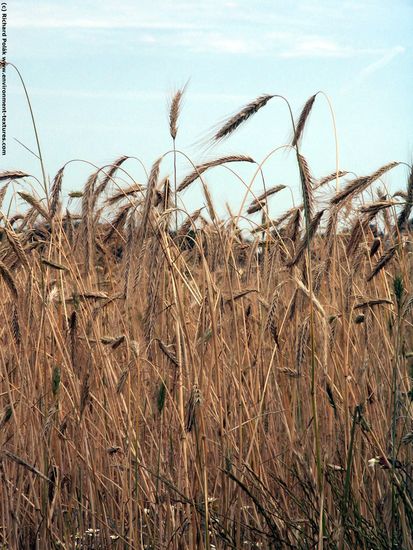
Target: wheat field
173,380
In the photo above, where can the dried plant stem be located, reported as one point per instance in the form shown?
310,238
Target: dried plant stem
39,150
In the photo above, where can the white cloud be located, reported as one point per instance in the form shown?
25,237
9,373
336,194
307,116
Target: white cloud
98,14
317,47
216,42
230,45
313,30
386,58
124,95
98,23
382,62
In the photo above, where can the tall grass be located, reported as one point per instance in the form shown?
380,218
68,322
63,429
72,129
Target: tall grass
200,385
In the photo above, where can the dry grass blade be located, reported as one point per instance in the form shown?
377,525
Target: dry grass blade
16,245
360,228
305,113
166,194
278,221
15,325
171,356
124,193
272,318
174,111
145,219
18,460
372,303
405,213
312,229
86,296
55,192
118,222
201,168
210,206
259,203
255,207
284,217
375,207
382,262
113,341
241,294
188,223
351,189
356,235
54,265
302,338
192,408
375,245
308,294
12,175
358,185
34,203
87,219
290,372
306,186
292,229
271,192
7,415
242,116
150,192
8,279
84,393
3,191
329,178
330,233
108,176
130,233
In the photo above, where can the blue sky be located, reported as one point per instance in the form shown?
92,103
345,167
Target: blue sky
100,74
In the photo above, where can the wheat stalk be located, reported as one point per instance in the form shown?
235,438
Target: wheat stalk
235,121
305,113
201,168
359,185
